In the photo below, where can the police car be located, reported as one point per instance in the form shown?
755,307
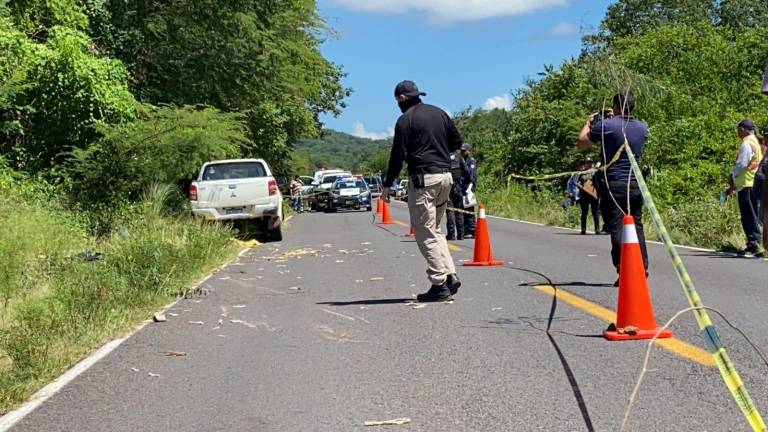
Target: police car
349,193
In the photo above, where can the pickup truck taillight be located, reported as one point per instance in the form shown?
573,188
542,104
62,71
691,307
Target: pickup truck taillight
273,187
193,192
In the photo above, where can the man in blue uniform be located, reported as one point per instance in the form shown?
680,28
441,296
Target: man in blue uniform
460,174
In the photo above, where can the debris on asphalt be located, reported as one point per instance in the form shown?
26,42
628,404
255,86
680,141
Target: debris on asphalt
221,336
366,243
134,369
295,288
173,314
238,306
417,305
175,354
153,375
248,244
339,261
395,422
376,279
359,281
159,317
197,322
327,245
497,309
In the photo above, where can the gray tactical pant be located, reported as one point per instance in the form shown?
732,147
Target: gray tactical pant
427,208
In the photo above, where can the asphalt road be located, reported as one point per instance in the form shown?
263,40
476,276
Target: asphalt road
304,336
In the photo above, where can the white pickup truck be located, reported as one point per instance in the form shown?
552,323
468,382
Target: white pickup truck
238,189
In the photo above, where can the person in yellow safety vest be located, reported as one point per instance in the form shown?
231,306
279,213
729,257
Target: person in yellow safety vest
742,182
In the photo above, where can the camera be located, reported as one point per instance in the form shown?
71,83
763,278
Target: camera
602,114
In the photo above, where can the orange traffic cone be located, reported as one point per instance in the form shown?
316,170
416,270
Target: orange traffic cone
483,252
635,318
379,207
386,218
411,233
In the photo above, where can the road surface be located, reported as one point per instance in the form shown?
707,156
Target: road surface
318,333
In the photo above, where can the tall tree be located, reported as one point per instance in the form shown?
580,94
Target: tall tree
260,57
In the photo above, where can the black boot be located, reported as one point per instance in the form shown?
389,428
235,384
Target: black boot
454,283
437,293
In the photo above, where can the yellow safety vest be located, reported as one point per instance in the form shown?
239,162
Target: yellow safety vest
747,178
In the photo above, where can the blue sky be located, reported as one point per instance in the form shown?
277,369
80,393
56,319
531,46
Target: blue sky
460,55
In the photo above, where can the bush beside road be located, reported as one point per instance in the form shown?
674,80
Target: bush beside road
700,223
65,292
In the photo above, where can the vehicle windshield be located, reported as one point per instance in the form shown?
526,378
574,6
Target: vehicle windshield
351,184
333,178
234,171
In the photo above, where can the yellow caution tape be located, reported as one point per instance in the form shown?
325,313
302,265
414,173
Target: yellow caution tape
714,344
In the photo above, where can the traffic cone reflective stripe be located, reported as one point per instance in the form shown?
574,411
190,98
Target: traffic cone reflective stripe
635,318
483,252
386,218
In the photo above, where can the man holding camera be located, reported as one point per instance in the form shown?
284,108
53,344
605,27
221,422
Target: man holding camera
425,137
613,129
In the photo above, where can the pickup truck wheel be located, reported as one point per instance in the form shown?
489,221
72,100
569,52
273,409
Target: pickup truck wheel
275,234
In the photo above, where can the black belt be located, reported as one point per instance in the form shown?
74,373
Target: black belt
430,170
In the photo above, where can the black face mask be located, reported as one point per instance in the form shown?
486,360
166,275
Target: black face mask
410,103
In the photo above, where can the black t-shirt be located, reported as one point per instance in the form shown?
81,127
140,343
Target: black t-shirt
425,136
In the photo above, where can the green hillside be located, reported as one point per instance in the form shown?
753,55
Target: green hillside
339,150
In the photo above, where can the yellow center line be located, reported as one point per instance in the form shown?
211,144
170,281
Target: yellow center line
451,246
676,346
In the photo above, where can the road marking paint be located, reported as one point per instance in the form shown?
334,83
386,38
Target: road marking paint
454,248
676,346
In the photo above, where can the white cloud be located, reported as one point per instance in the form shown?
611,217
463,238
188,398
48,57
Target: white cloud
564,29
502,101
358,130
448,11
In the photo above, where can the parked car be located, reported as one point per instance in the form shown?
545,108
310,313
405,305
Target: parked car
241,189
349,193
402,189
375,184
321,192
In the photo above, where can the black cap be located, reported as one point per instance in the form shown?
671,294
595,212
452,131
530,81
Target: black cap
408,88
466,146
748,125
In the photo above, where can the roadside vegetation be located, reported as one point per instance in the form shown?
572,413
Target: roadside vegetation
107,110
696,68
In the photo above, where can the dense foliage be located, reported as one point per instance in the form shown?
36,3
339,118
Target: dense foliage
696,68
73,69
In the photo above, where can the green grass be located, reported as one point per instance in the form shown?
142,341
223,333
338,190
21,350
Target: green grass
57,307
701,223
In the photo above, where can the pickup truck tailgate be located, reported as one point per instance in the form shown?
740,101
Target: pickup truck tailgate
234,193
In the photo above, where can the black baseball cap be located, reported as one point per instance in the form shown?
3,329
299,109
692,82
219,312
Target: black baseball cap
408,88
747,124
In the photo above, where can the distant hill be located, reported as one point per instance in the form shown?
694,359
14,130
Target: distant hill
340,150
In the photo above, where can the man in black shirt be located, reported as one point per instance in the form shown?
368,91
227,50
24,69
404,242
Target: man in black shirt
460,173
425,137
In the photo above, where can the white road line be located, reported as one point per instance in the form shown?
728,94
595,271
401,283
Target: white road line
12,418
693,248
